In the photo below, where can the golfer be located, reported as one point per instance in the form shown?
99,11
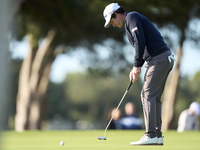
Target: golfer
150,47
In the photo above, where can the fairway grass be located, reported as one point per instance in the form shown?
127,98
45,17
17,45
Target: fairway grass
87,140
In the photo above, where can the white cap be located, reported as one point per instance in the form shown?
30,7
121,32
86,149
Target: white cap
195,107
108,11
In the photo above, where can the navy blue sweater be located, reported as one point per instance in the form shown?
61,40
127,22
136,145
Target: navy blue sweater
144,37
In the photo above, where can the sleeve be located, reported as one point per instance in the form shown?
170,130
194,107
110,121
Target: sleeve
181,122
134,26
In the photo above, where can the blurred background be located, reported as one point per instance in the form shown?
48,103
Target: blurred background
61,69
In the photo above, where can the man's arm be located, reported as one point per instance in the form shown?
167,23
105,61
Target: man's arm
137,38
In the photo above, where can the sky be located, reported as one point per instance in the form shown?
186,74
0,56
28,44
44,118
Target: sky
65,64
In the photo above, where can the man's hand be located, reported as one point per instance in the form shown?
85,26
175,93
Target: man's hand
134,74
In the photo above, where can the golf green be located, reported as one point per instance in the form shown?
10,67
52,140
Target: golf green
87,140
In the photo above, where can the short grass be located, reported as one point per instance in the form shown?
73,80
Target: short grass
87,140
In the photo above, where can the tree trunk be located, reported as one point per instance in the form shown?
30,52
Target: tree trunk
38,98
33,83
23,93
170,93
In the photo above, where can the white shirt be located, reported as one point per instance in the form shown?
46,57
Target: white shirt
187,122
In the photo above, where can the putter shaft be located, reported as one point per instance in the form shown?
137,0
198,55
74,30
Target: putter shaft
117,108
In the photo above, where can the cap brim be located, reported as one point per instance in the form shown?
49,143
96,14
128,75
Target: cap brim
107,23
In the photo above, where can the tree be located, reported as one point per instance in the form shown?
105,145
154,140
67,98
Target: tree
68,24
189,10
62,25
177,16
33,84
174,15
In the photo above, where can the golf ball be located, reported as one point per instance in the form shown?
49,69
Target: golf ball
62,143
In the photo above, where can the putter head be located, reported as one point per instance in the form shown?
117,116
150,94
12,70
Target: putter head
102,138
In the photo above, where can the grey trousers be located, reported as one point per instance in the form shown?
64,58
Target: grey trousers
158,69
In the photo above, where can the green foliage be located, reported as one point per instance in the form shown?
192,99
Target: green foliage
79,23
90,97
76,21
195,86
57,102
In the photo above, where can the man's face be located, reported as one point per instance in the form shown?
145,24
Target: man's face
118,21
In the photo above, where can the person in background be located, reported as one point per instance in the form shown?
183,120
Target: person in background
131,119
188,118
115,123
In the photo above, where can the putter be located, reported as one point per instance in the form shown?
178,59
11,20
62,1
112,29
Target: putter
104,138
